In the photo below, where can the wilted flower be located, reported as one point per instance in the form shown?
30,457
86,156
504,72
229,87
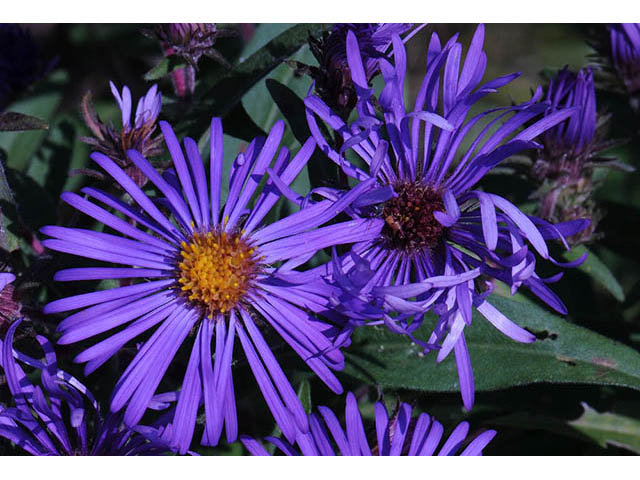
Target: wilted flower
136,133
401,435
189,41
19,61
60,416
439,231
571,151
9,306
332,76
217,273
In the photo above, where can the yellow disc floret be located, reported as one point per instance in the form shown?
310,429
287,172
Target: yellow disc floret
216,270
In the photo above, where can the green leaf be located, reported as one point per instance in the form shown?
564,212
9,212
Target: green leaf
16,122
597,270
292,108
5,190
609,428
234,84
164,68
262,108
61,152
42,103
8,241
533,421
264,33
239,124
320,170
304,394
36,207
563,353
159,71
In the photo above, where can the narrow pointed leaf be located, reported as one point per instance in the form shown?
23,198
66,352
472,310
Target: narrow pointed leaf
596,269
16,122
609,428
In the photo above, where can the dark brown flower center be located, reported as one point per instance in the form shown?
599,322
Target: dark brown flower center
409,221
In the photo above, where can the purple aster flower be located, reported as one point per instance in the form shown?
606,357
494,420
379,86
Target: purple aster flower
136,132
440,232
572,148
211,270
625,54
400,435
60,416
19,61
332,76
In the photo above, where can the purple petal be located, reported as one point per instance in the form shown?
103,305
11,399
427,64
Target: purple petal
216,161
281,382
477,444
419,434
355,429
184,420
95,273
5,279
465,374
182,170
279,411
99,325
255,448
452,444
86,299
505,325
382,429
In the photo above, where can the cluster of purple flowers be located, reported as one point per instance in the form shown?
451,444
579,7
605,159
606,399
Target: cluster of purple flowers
61,416
198,264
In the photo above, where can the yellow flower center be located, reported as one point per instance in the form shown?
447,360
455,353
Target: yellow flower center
216,270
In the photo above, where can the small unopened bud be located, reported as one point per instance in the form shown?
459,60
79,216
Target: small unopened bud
572,149
190,41
332,76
